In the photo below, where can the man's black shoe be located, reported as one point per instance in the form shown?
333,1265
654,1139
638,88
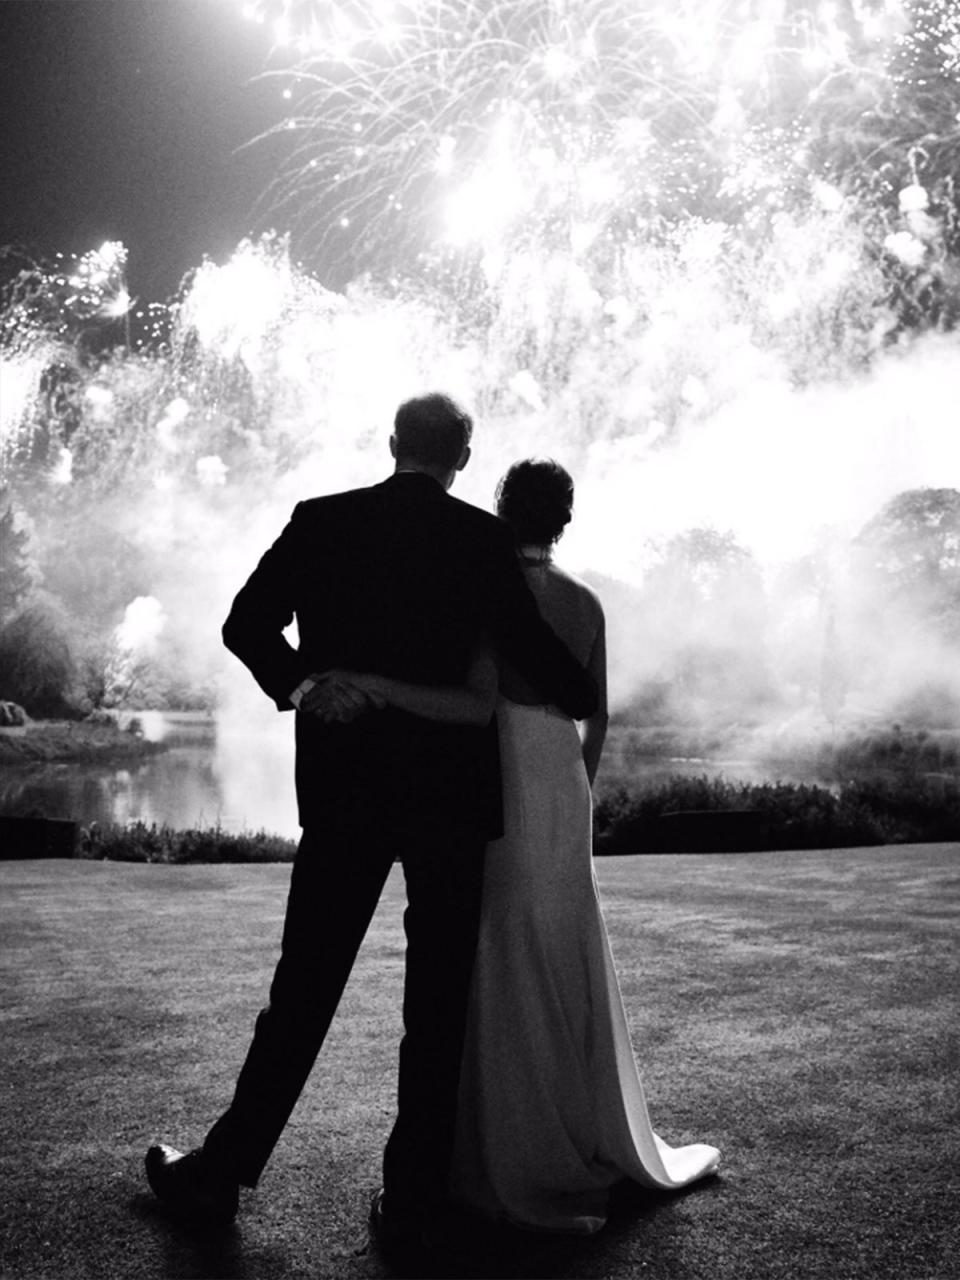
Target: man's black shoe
189,1187
402,1238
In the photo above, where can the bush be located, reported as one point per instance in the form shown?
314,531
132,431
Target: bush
142,843
863,812
873,812
36,663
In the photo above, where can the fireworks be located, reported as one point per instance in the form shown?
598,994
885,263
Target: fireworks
62,298
231,307
92,285
21,376
97,282
451,121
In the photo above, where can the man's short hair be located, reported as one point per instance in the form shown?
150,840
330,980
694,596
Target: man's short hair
432,431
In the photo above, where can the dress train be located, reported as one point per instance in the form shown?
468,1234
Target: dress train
552,1111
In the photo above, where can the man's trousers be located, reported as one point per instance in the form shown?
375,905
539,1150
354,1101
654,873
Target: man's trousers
338,876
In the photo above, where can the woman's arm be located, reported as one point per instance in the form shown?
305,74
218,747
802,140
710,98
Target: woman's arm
594,730
471,703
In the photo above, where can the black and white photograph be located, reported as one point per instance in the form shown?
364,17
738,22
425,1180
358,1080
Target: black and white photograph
479,639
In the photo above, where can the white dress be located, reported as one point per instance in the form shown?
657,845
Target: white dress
552,1112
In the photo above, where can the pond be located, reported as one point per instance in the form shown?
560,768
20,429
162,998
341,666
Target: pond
206,776
238,773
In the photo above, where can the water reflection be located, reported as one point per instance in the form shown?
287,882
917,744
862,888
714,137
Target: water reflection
240,778
236,771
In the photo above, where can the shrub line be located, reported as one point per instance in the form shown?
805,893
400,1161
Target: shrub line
682,815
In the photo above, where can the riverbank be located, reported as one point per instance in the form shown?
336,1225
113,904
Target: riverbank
704,815
216,796
81,741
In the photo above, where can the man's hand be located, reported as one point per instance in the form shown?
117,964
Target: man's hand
340,696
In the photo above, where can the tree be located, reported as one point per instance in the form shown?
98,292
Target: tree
707,612
36,663
911,551
914,540
707,569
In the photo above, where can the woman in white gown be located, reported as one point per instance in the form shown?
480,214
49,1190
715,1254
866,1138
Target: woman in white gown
552,1112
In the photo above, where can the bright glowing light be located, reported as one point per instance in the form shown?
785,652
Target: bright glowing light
233,306
748,56
176,412
913,198
645,280
143,623
118,305
630,88
906,247
599,183
98,279
445,152
675,394
827,195
62,473
101,401
211,471
483,206
20,379
80,288
525,386
558,63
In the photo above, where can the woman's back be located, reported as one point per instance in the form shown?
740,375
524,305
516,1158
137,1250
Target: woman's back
574,612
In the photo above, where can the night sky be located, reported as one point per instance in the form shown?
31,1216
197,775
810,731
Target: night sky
121,120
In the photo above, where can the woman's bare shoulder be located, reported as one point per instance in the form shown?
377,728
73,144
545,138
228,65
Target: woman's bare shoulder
569,606
578,591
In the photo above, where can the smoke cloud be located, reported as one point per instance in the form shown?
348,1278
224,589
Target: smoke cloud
676,403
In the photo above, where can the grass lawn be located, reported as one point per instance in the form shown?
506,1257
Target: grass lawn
798,1010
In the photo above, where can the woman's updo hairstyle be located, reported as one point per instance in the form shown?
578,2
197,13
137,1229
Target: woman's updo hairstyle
535,498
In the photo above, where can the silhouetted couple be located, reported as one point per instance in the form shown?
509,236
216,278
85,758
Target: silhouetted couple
443,662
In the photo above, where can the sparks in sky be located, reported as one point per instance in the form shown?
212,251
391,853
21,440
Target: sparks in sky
459,120
95,282
72,291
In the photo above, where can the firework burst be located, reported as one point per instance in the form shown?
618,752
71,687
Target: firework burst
64,297
432,122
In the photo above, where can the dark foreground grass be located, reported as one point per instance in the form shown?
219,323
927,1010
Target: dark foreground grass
798,1011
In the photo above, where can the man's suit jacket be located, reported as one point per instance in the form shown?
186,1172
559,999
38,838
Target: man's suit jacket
400,579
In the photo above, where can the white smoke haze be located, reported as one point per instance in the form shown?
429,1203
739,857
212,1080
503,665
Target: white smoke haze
696,387
143,622
779,467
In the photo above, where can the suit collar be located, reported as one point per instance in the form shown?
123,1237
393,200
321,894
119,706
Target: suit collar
418,482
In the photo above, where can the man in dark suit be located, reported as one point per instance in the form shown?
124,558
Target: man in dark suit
402,580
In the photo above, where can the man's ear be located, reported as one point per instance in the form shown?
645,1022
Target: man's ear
393,447
464,457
